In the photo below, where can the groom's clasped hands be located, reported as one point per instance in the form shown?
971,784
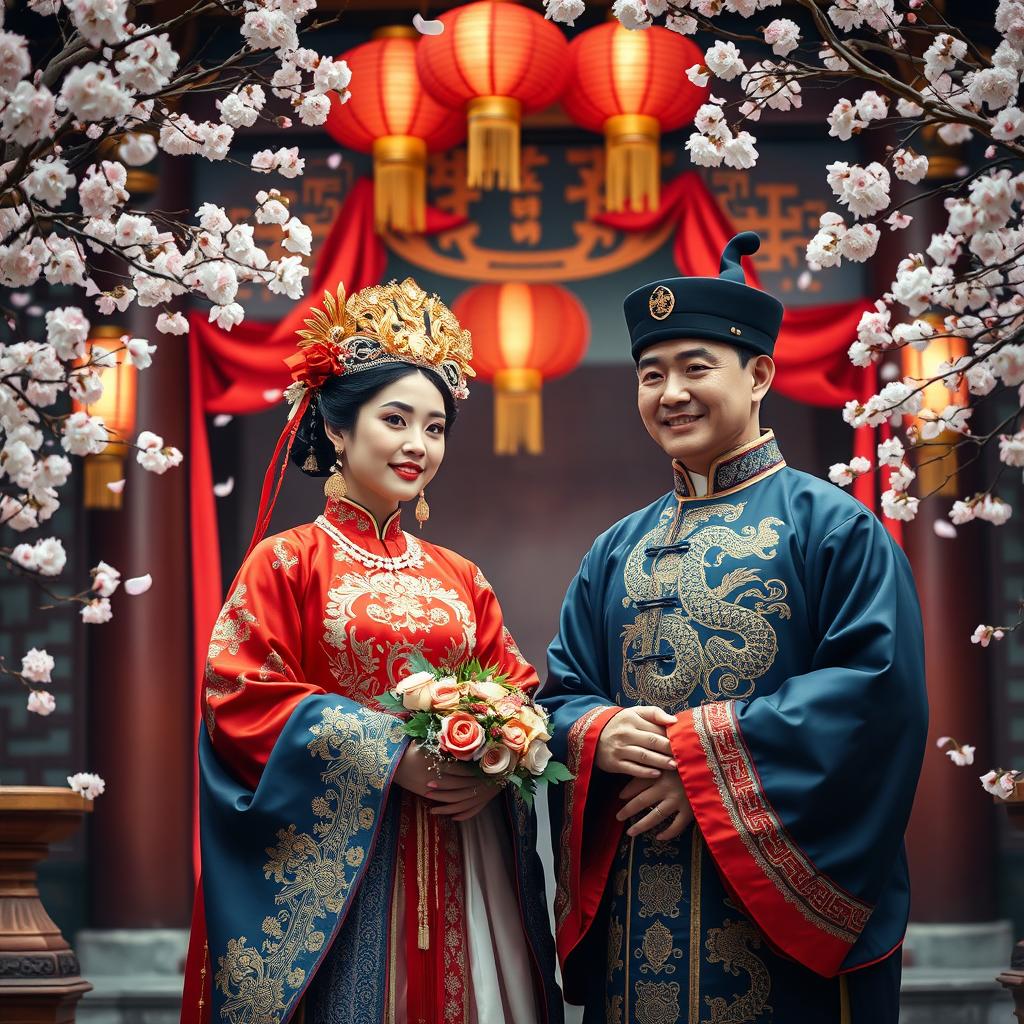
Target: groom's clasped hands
635,743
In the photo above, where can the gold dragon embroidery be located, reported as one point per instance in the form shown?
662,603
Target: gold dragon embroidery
732,946
717,642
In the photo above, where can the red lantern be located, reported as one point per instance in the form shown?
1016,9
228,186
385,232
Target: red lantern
498,61
523,334
390,116
632,85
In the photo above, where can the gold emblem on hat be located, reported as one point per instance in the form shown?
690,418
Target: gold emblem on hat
661,303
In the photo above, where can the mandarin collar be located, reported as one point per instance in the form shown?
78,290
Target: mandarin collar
359,525
732,470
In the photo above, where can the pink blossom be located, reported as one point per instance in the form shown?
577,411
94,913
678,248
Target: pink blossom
724,61
138,585
984,635
782,35
897,220
41,702
172,323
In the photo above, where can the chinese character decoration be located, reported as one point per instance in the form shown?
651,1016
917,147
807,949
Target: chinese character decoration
389,116
497,61
523,334
628,84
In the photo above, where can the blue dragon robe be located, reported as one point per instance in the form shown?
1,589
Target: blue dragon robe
778,621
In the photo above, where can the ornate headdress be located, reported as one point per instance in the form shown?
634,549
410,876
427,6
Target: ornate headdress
391,323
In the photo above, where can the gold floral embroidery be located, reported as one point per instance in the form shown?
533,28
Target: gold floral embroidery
232,629
233,626
512,647
282,558
313,871
660,890
613,1010
731,946
657,946
821,902
615,934
657,1002
720,639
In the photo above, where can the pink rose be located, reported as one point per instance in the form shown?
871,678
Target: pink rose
444,694
461,736
496,760
414,691
515,736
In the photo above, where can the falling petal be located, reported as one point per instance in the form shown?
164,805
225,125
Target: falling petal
138,585
803,282
944,529
427,28
334,161
116,486
224,489
272,394
222,419
19,300
889,371
34,310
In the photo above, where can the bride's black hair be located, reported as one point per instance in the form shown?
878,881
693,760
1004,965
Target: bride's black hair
339,401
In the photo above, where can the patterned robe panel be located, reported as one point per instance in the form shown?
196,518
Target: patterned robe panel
297,759
777,621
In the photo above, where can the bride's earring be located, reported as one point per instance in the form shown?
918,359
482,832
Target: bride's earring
422,509
336,488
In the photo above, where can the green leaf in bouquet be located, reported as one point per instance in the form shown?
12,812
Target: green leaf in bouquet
419,725
528,790
390,701
556,772
418,663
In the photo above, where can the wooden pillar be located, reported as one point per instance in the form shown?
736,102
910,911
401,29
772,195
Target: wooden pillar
141,685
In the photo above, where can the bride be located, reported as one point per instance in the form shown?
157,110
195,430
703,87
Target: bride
344,878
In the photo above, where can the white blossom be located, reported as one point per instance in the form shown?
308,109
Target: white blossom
632,13
172,323
84,434
724,60
899,505
1011,448
36,667
909,166
891,452
782,35
87,784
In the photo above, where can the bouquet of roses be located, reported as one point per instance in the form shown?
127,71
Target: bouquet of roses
474,716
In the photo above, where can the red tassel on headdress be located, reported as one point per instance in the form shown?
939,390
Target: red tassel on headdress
268,496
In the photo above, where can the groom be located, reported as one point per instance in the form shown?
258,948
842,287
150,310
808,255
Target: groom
738,686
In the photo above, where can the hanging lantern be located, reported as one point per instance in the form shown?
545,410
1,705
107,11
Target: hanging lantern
116,407
632,86
497,61
936,458
523,334
390,116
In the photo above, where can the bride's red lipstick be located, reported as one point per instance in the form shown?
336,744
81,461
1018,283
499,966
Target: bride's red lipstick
407,470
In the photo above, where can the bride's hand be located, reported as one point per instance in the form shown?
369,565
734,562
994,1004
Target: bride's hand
416,770
463,795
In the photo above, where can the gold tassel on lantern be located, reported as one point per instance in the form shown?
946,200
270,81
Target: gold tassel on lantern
400,183
632,165
518,423
493,146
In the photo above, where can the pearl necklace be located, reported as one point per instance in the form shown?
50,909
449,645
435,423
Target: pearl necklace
411,559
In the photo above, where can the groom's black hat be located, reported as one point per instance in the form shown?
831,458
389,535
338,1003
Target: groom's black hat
723,308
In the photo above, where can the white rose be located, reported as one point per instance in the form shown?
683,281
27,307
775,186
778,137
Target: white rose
414,691
536,758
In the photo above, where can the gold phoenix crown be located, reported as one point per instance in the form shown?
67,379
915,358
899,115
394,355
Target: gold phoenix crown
387,324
